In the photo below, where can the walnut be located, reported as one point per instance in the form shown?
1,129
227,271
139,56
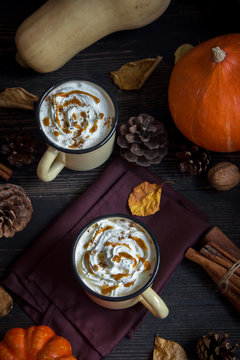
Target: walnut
224,176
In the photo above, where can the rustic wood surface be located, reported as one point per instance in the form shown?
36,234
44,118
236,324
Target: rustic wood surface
195,305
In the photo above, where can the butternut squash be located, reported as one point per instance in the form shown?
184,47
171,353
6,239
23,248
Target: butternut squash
59,29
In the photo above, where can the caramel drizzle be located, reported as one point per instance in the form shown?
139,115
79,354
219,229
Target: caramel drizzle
83,114
76,143
59,109
141,243
147,265
46,121
102,262
62,94
75,124
107,289
99,231
113,244
76,140
56,133
74,101
95,126
119,276
125,255
87,259
129,283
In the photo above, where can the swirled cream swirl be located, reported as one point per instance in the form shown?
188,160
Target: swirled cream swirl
115,257
77,115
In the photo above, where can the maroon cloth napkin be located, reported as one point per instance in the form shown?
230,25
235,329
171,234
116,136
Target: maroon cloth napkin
43,278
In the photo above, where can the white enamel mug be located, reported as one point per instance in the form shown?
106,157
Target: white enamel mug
146,295
56,157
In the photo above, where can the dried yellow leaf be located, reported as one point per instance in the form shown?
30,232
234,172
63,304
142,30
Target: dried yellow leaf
145,199
182,50
17,98
168,350
132,75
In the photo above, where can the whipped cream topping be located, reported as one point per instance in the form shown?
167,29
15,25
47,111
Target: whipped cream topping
115,257
77,115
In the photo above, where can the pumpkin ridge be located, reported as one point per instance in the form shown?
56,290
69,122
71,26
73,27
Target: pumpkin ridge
37,337
6,353
35,343
56,347
16,347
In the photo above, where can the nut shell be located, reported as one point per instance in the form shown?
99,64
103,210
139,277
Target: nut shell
224,176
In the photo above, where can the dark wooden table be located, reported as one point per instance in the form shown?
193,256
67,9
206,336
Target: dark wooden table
195,305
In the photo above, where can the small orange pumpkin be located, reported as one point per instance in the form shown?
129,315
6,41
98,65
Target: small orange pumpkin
204,94
35,343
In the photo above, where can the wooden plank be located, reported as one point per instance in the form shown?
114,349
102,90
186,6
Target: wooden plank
196,307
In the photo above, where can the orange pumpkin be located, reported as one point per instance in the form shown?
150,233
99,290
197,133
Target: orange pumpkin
204,94
34,343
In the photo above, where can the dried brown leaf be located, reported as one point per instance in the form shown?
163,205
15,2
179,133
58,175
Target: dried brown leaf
6,302
168,350
17,98
132,75
182,50
145,199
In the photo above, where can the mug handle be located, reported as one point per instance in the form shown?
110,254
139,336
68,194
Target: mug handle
150,299
49,166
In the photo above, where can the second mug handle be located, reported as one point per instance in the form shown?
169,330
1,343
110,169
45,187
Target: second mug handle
49,166
150,299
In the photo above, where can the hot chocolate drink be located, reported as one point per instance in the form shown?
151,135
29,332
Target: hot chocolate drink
77,114
115,257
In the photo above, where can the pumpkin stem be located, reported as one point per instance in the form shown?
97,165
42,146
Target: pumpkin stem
218,54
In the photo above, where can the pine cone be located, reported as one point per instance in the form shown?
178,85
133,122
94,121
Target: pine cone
19,149
15,209
193,159
143,140
214,346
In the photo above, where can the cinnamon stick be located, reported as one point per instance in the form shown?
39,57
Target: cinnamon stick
208,252
219,257
230,293
5,172
219,270
223,252
216,236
